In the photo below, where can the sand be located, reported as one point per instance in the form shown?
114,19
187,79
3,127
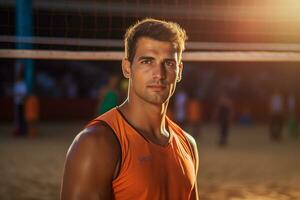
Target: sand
251,167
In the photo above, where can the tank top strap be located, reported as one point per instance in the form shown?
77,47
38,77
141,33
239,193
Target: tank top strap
182,136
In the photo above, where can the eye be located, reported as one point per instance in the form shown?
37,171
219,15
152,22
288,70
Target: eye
170,63
146,61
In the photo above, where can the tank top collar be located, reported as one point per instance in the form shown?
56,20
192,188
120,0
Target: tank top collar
168,126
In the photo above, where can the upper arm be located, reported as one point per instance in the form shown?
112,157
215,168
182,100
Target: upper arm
90,165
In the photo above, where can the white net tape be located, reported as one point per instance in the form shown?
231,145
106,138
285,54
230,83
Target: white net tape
261,56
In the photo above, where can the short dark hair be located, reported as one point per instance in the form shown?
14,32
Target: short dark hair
155,29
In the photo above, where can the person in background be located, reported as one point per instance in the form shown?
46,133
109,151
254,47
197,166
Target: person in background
123,90
180,106
224,117
194,116
108,95
292,118
32,113
20,94
277,118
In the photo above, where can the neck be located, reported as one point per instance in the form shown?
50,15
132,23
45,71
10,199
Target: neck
147,118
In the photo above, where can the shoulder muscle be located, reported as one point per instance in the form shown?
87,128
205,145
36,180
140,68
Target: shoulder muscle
90,164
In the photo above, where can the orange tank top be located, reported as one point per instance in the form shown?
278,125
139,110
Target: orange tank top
150,171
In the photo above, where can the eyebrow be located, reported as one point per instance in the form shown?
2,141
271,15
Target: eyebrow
170,59
152,58
145,57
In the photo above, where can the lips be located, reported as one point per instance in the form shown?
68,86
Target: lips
157,87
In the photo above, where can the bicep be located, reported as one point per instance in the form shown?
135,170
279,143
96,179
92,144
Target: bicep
89,169
77,180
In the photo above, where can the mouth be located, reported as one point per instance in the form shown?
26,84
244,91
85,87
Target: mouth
157,88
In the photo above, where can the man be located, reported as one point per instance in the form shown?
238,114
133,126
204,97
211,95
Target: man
224,118
20,94
135,151
277,118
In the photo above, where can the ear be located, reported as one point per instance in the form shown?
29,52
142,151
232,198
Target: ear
180,72
126,69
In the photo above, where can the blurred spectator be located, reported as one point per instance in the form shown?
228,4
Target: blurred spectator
32,111
108,95
20,94
69,86
224,116
123,90
194,116
276,109
245,117
292,119
180,105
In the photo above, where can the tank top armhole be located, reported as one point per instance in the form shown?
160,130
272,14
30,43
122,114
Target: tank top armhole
120,162
185,135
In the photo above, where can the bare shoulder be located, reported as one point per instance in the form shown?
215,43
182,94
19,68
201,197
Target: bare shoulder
95,138
91,143
91,163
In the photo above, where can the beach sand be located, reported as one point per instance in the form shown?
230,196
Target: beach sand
251,167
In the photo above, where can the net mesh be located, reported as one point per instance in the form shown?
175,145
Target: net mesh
80,25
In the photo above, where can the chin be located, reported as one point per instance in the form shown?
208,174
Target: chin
155,99
159,100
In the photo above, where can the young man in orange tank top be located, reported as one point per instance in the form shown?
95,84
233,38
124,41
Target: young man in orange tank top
102,162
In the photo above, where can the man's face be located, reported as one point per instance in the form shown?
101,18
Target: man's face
154,71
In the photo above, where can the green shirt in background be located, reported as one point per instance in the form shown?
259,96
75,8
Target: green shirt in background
110,101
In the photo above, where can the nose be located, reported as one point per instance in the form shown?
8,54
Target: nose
159,71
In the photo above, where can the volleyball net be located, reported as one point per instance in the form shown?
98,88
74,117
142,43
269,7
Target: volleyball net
93,30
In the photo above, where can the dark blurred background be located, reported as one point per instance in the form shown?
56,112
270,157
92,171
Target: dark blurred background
69,84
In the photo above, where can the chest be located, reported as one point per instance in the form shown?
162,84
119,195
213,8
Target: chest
167,171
